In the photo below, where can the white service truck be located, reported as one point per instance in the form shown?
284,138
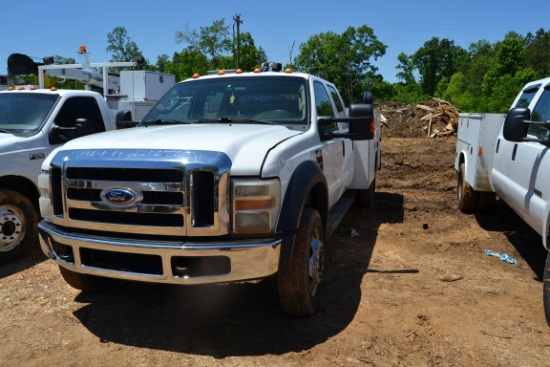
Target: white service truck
33,122
229,178
507,155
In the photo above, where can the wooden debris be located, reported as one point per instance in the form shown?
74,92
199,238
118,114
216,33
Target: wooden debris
432,118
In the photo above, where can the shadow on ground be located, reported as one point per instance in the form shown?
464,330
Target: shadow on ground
240,319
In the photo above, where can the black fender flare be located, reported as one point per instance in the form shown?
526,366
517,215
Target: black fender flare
307,188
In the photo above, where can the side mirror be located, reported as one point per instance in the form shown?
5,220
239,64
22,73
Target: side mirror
516,123
363,127
124,120
83,127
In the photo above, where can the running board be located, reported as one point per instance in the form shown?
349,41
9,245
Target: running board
338,212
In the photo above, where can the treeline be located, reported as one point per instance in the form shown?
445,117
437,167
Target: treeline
484,78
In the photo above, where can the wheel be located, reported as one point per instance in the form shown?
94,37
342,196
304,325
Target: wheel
83,282
18,225
467,196
299,283
366,197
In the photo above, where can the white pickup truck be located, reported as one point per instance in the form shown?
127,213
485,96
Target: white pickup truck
508,155
230,177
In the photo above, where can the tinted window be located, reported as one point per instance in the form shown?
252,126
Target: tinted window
541,113
337,101
527,96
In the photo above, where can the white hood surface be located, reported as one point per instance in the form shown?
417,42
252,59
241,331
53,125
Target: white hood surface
245,144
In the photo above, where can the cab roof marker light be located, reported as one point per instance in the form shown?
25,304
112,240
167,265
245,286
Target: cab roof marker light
196,76
288,70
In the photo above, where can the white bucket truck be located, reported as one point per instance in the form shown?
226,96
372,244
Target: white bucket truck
229,178
508,156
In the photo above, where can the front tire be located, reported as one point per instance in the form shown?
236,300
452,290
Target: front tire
299,283
546,289
467,196
18,225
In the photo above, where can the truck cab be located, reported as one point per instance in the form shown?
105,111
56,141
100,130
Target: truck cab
32,124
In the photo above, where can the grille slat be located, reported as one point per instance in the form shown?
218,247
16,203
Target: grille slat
117,217
125,174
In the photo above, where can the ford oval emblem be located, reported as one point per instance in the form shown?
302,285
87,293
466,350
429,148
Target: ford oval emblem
120,197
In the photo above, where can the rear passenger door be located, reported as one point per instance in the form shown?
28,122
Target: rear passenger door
333,150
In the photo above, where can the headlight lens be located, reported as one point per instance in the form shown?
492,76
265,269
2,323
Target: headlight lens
256,205
45,200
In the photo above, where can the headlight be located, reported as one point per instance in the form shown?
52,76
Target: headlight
256,205
45,200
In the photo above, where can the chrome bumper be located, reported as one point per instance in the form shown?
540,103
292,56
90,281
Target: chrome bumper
243,259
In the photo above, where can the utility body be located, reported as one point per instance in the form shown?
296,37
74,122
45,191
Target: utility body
229,178
507,156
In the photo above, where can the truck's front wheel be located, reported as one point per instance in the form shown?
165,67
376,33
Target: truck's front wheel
83,282
467,196
546,289
299,283
18,225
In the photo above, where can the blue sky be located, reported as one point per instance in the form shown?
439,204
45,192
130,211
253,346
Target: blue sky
38,28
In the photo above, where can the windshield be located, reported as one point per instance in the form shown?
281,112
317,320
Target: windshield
24,112
247,99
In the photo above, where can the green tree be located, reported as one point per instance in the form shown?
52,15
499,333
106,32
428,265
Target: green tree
537,52
436,60
123,48
251,56
186,63
343,59
212,41
406,75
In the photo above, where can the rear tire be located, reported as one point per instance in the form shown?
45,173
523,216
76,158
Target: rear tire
83,282
546,289
467,196
299,283
18,225
366,197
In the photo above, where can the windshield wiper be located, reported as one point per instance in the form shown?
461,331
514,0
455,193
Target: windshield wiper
168,122
6,131
239,119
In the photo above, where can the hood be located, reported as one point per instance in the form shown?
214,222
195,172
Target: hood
245,144
10,143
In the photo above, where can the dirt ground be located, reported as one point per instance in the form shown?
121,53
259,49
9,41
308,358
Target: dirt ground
407,283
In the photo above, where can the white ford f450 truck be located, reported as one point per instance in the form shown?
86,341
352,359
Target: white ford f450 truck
230,177
508,156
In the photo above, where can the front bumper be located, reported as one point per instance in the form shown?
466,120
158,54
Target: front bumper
161,261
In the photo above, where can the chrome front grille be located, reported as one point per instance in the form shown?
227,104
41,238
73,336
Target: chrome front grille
178,193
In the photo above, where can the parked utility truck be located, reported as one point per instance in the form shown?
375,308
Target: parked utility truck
230,177
508,156
33,122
